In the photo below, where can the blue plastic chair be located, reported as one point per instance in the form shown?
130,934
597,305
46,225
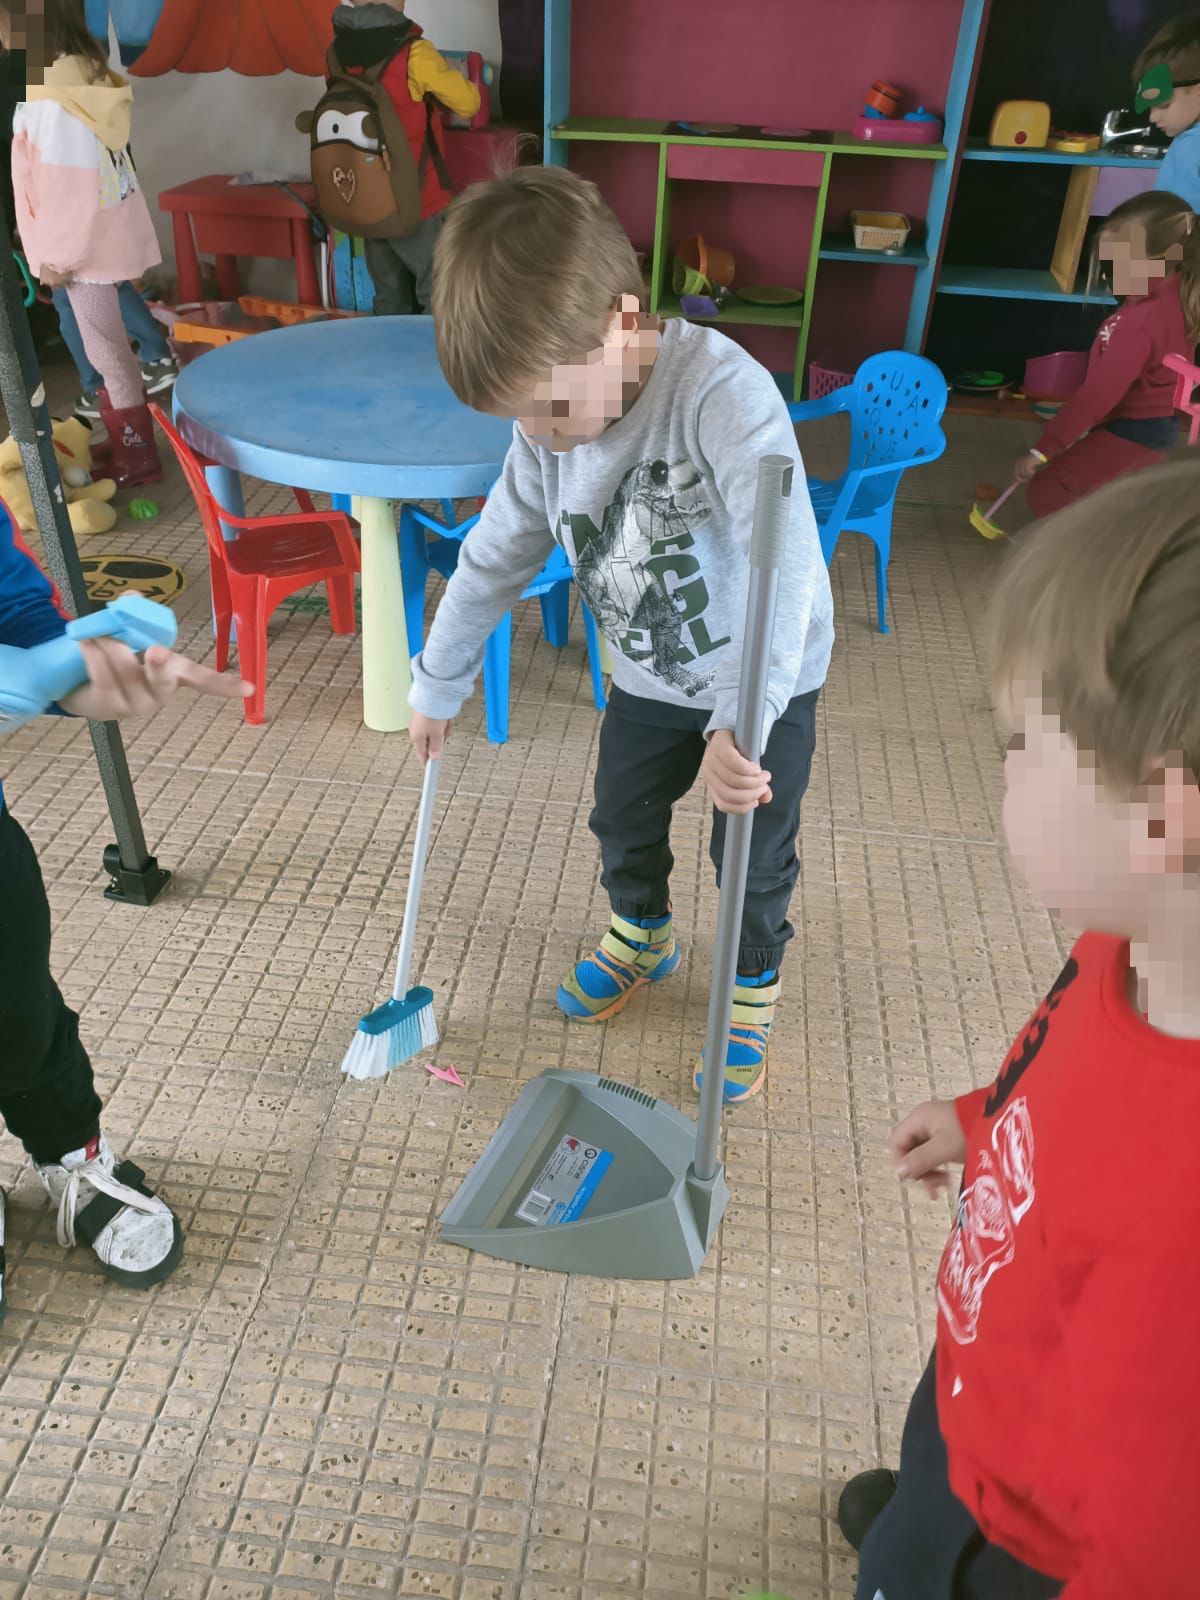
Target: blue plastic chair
895,405
429,545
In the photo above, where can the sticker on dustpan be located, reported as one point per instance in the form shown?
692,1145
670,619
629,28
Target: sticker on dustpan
565,1184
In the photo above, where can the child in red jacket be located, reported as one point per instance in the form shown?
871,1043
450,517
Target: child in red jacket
1123,418
1054,1442
366,32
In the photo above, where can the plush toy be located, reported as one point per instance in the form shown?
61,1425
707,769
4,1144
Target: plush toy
87,502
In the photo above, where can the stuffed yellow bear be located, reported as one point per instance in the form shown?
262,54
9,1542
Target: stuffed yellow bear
87,502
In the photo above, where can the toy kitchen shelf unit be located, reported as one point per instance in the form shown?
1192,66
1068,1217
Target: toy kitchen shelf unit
1064,280
621,75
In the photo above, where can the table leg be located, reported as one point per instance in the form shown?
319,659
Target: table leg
229,279
226,486
187,267
387,675
308,290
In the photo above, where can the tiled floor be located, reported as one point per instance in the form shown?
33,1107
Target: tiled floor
327,1401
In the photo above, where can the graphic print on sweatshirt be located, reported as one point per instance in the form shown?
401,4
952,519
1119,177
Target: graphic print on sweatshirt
1002,1189
637,574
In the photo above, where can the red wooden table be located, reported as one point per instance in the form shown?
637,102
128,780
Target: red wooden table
231,220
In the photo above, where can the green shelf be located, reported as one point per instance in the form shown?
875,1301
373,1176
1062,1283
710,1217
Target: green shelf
1016,283
738,313
623,130
841,247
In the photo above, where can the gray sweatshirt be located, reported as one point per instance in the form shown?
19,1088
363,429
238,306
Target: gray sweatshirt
655,516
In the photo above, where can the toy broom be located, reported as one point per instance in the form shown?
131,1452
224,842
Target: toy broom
981,520
403,1025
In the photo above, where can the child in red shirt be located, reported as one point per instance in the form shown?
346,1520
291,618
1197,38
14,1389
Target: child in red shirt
366,32
1123,418
1053,1445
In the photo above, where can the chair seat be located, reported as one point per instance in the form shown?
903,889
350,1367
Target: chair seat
873,494
284,552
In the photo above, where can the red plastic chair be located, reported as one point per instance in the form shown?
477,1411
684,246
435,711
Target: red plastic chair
270,559
1188,377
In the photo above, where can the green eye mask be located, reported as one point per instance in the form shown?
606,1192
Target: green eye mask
1157,87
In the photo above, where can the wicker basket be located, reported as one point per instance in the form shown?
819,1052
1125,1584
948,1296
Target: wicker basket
880,230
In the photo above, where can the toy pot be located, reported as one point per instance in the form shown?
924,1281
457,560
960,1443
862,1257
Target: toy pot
884,98
709,260
688,280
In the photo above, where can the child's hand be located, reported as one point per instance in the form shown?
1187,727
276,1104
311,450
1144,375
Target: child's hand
1027,467
121,685
429,735
54,280
923,1143
735,785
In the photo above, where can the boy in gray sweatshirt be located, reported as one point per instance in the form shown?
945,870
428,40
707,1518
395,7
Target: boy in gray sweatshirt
636,448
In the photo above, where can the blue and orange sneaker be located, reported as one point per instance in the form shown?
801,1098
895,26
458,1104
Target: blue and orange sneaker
630,954
750,1026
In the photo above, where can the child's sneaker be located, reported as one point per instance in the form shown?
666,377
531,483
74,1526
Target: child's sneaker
158,376
105,1204
87,407
630,954
746,1054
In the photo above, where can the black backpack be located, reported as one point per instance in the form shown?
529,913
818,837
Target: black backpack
368,184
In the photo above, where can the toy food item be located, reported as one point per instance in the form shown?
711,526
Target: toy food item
1020,125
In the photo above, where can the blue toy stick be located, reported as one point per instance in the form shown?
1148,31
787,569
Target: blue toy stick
31,681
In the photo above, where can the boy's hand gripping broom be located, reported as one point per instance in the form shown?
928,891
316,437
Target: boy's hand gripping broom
403,1025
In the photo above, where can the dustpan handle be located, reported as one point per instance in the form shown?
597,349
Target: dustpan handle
768,550
416,877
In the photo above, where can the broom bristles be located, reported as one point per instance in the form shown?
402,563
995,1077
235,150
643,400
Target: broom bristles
392,1034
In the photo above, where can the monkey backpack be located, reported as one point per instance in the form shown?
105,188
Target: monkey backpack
368,182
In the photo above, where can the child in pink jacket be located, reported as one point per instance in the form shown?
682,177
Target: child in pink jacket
82,216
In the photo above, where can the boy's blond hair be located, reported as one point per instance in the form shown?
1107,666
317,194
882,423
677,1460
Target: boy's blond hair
1176,46
1102,606
527,273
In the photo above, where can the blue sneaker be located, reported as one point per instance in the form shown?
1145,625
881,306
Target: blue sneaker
630,954
749,1029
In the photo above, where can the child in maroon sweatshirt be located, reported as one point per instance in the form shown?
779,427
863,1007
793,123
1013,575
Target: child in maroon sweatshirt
1123,418
1053,1445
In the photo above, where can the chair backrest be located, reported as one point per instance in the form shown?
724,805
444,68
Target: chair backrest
1186,379
896,411
193,471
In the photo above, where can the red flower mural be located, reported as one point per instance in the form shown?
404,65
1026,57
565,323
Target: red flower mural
254,37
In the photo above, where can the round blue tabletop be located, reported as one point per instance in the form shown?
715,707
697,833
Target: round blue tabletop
357,406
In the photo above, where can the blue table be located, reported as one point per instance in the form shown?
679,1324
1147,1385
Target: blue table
356,407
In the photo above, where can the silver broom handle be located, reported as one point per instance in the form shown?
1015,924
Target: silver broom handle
416,877
768,550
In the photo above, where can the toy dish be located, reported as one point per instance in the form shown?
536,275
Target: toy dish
770,294
709,129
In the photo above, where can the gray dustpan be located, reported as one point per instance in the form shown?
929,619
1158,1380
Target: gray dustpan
591,1176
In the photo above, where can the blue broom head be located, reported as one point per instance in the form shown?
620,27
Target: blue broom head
392,1034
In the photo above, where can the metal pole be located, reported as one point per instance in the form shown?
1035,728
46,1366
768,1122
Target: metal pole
135,876
768,547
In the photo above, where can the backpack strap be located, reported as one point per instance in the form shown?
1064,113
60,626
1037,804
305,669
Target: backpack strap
433,151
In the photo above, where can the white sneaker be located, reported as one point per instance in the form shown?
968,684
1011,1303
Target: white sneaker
136,1237
159,375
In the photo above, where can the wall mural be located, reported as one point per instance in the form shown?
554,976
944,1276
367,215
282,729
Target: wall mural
257,38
